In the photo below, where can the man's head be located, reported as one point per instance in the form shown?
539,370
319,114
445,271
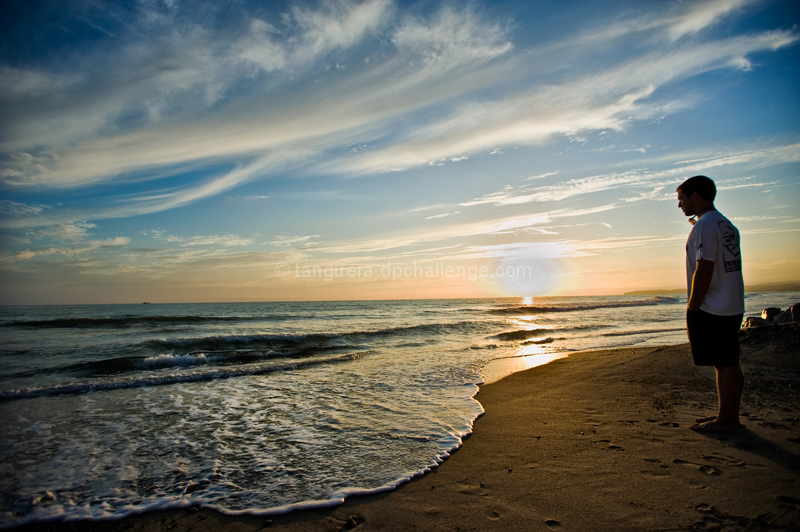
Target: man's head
696,194
701,184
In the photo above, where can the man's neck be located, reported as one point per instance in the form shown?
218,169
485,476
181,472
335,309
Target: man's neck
701,212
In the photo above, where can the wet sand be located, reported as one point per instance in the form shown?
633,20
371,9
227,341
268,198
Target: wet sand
596,441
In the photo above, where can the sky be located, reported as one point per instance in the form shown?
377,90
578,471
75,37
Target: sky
192,151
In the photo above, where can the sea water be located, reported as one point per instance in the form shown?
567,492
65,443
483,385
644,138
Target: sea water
109,410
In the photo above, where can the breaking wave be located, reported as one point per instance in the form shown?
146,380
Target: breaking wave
75,388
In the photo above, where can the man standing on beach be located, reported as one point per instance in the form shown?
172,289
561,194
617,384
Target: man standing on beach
716,298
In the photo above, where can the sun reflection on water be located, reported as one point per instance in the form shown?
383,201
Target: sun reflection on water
527,357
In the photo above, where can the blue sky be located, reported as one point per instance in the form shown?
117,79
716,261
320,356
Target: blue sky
251,151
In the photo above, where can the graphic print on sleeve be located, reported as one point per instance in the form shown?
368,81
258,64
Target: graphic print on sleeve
731,254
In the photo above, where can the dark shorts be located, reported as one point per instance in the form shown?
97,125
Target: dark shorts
714,339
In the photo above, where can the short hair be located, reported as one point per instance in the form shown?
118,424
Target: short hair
701,184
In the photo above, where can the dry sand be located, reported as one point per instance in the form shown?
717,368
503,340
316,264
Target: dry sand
596,441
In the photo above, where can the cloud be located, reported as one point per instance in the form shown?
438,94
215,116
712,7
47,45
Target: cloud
443,215
452,38
701,15
210,240
286,241
651,180
524,223
486,227
67,239
169,65
155,200
315,33
177,97
670,23
596,101
337,24
68,232
17,210
761,218
541,176
424,208
277,117
77,248
522,250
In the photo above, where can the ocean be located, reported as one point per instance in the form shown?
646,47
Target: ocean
261,408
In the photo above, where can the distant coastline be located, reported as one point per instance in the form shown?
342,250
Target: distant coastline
787,286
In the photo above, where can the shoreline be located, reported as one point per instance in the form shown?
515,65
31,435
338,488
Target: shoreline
598,440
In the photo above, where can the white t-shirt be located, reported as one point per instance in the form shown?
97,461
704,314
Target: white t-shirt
715,238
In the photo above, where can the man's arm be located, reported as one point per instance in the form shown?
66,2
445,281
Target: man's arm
701,280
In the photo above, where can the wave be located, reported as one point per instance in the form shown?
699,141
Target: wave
233,350
129,321
525,310
524,334
231,340
164,360
77,388
548,340
317,340
521,334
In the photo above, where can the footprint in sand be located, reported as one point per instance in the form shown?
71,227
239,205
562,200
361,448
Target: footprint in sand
703,468
552,523
656,461
722,459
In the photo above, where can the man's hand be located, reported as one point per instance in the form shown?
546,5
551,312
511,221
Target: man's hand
701,280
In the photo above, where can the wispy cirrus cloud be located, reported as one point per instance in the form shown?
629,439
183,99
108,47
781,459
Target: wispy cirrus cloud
701,15
10,208
648,183
275,96
276,117
75,248
210,240
443,215
596,101
287,241
492,227
668,24
170,66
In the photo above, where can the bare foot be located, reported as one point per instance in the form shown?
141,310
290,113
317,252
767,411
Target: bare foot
714,427
706,419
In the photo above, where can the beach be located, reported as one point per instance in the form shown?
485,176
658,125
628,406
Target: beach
382,265
599,440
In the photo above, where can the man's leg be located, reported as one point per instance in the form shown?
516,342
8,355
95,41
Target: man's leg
730,384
